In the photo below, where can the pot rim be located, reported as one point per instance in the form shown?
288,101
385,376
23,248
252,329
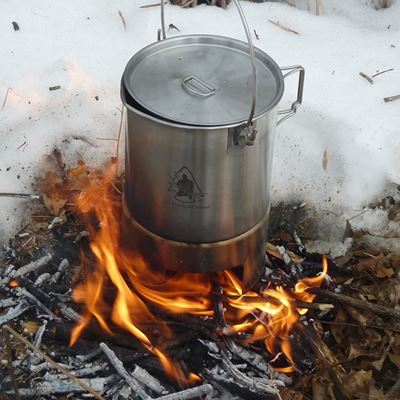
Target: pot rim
166,121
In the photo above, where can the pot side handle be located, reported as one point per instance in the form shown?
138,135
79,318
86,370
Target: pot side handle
297,103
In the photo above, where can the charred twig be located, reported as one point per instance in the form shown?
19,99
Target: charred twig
382,72
257,361
21,195
219,312
122,18
327,359
14,313
61,387
152,5
279,25
30,296
8,303
188,394
365,305
119,367
368,78
172,26
5,98
391,98
148,380
31,267
53,363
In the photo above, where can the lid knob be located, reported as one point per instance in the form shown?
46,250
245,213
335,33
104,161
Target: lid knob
196,86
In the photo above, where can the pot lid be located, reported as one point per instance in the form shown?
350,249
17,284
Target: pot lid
202,80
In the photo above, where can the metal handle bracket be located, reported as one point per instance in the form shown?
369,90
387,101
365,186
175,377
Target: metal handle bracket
300,88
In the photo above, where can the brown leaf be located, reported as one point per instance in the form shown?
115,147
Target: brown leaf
289,394
395,359
394,213
54,203
325,160
356,315
338,330
273,251
355,352
30,327
358,383
319,388
348,231
376,394
78,177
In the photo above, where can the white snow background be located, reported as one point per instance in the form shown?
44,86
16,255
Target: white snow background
83,47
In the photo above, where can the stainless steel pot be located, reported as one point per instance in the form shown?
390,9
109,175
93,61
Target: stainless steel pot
199,143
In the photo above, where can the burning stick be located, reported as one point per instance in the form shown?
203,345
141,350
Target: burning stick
53,363
119,367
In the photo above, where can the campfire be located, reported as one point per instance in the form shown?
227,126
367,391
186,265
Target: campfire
137,331
268,316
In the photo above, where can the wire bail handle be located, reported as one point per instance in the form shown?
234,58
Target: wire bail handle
248,134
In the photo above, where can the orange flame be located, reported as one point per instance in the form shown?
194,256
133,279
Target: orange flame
267,317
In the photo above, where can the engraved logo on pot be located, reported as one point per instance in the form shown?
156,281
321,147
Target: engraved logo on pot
187,192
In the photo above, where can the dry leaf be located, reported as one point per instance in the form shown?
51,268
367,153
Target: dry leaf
54,203
289,394
30,327
325,160
395,359
356,315
355,352
376,394
319,388
357,383
273,251
338,330
348,231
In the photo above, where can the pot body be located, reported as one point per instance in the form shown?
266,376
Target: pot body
196,184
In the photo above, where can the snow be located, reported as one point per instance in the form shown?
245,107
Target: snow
83,47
